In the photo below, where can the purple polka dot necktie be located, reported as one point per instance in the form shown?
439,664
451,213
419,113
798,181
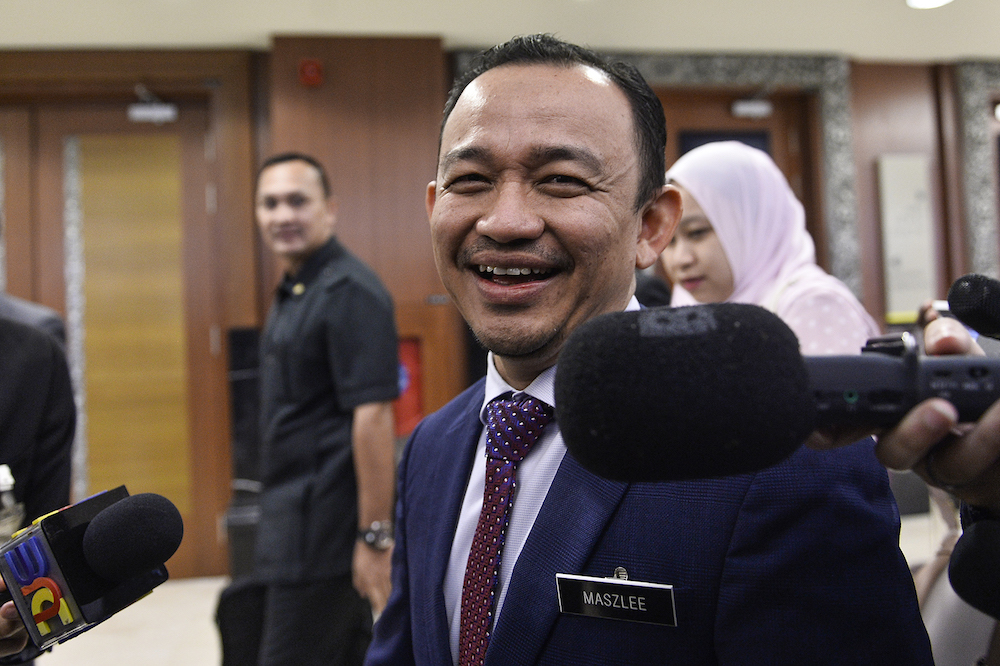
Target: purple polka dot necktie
512,426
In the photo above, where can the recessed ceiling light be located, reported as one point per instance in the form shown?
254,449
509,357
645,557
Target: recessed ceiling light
926,4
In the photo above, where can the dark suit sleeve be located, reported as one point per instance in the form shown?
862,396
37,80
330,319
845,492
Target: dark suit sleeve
50,480
38,418
392,642
55,327
814,572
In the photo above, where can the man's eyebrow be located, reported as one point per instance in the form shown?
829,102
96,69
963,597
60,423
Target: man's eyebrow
546,154
270,196
539,156
467,153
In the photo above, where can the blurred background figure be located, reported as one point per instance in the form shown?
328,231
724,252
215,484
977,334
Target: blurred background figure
959,633
37,425
650,289
33,314
329,371
743,239
37,418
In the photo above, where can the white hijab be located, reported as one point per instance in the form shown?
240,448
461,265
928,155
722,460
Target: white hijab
761,226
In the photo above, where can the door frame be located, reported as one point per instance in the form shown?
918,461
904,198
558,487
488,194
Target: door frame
205,387
223,79
791,127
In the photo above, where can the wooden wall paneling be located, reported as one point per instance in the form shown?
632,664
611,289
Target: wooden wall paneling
267,265
373,122
406,116
993,124
815,178
215,295
231,168
894,110
15,139
48,258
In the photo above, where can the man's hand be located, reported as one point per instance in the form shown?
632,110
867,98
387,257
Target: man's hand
962,459
13,635
372,574
375,468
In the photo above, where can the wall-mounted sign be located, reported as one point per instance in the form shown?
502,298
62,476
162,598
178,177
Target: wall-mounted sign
907,235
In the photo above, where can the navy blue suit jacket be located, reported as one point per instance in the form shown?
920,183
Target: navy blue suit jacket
797,564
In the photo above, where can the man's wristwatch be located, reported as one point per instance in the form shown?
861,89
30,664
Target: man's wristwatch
378,535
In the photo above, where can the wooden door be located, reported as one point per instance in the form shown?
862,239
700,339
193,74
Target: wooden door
787,134
121,244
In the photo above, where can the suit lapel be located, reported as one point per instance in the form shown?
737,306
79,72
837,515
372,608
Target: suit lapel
448,471
569,525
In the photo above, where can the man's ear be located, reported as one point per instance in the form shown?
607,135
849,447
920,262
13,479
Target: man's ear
659,221
332,205
431,197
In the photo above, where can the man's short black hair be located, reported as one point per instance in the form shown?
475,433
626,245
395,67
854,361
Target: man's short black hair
281,158
545,49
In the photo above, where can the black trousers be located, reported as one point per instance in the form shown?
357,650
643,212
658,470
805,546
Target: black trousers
325,623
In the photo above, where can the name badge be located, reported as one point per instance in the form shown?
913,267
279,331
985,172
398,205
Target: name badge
616,599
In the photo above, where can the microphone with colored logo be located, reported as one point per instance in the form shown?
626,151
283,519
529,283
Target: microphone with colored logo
78,566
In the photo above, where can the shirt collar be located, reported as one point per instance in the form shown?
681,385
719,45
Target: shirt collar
311,268
542,387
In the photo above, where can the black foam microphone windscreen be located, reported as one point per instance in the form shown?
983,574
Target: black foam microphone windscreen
975,300
665,394
132,536
974,567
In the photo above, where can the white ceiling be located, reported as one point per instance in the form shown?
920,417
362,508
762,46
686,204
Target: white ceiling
882,30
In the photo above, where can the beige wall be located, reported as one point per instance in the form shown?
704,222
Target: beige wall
883,30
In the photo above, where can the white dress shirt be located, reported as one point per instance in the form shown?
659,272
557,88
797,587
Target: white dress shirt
534,476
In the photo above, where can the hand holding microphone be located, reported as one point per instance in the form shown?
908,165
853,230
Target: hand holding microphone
965,462
711,390
78,566
663,395
13,633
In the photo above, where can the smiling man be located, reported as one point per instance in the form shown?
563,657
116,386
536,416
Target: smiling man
534,215
549,195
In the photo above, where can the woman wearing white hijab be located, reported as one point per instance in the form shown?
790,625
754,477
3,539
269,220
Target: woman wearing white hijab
742,239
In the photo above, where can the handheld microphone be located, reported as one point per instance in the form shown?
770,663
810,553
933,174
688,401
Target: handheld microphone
974,299
667,394
973,569
78,566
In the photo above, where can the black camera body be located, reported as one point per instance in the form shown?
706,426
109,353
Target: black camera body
890,377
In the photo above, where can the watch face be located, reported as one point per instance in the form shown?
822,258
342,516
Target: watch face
377,539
